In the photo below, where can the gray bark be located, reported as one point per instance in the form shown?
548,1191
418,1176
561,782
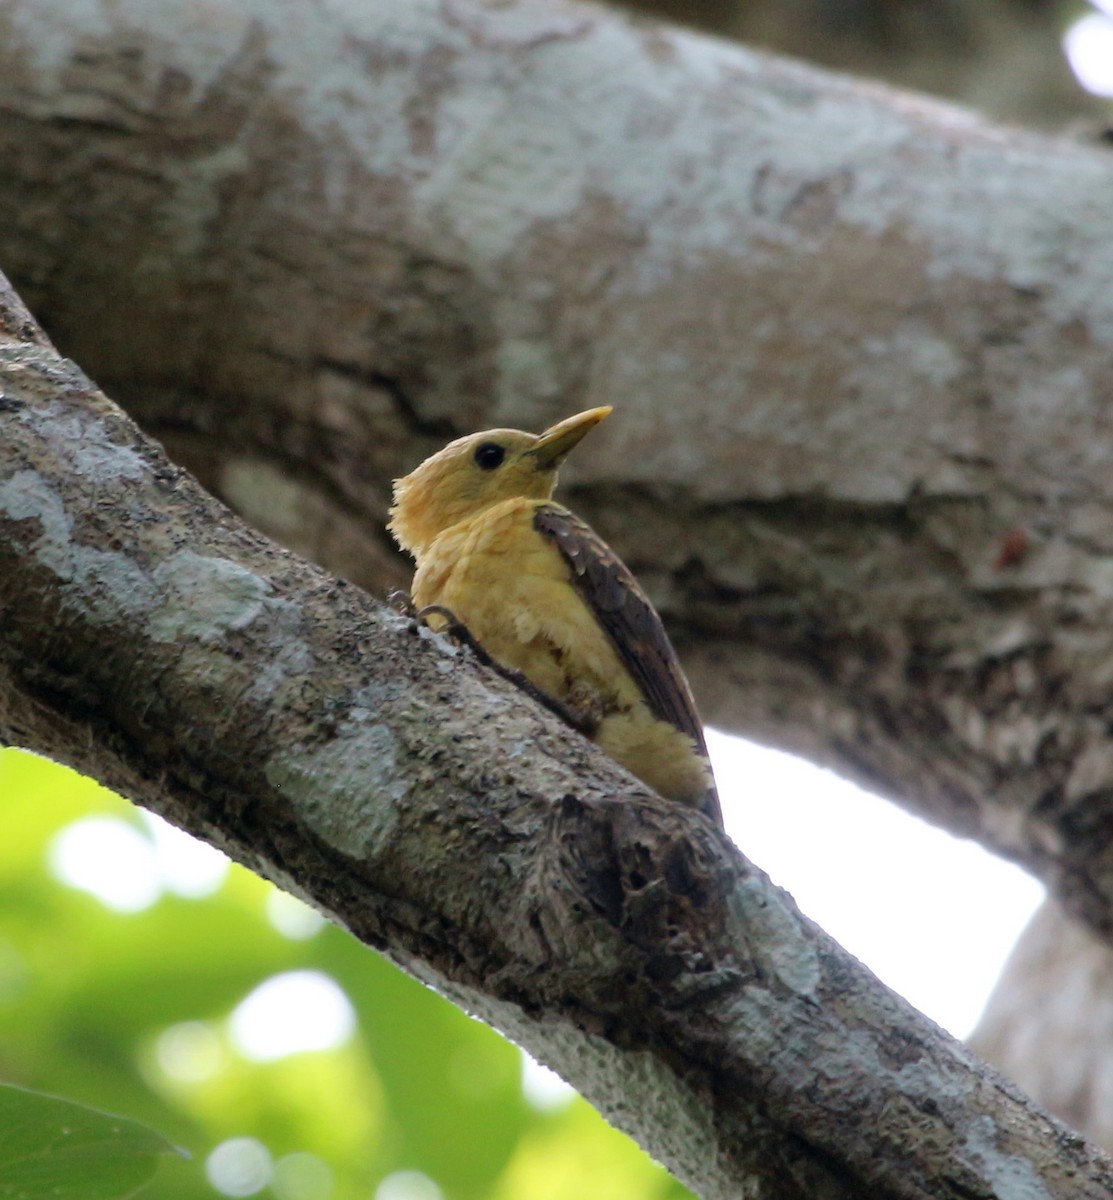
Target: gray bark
149,638
861,346
1049,1023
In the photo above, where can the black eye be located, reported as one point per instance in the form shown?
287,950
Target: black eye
489,455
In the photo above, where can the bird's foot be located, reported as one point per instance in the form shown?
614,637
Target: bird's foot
450,624
402,603
580,720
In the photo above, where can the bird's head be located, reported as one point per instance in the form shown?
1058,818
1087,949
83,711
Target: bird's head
474,472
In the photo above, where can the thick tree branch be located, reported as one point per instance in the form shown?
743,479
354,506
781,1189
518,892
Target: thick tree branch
862,345
1049,1022
148,637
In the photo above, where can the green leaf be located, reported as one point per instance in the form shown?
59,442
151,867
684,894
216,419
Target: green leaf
53,1149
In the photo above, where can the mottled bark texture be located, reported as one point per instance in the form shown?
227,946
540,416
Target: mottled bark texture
149,638
1049,1023
861,346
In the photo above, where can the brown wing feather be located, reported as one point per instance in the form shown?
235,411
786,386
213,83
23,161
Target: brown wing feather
626,616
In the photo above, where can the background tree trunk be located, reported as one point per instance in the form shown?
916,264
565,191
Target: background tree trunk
150,639
860,343
1049,1024
1003,57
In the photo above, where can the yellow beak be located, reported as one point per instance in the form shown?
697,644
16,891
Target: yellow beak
552,446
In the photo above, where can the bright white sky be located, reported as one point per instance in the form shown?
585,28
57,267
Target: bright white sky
934,917
1089,48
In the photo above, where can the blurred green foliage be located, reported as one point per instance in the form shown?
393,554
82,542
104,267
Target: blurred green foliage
52,1149
129,1012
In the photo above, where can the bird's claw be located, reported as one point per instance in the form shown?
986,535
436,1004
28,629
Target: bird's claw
581,717
452,625
402,602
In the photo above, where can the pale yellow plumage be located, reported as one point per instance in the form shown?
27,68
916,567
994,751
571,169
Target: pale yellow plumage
545,597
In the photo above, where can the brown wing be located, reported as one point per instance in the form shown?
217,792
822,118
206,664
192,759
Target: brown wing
626,616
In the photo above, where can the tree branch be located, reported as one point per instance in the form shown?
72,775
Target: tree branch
1049,1020
864,344
151,639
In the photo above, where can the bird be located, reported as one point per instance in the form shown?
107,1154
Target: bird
547,599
